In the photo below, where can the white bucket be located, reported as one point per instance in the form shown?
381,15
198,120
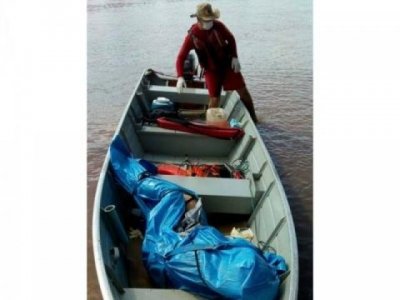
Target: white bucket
217,117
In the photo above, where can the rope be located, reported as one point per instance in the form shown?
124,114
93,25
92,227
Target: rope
241,165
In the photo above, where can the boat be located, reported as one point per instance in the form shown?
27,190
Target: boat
255,200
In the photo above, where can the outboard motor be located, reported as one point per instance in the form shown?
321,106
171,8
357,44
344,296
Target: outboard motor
190,67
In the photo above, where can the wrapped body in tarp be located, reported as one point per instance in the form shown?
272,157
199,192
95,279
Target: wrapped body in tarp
201,261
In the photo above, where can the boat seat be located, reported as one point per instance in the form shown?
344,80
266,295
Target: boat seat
219,195
165,294
188,95
177,143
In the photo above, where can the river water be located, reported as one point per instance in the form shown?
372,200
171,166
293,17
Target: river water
274,40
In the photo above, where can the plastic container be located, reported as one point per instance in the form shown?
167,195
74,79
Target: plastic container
217,117
162,103
235,123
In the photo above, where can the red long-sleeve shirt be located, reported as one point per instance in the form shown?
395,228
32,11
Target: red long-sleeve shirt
205,36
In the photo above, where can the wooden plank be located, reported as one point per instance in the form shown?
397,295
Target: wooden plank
156,294
208,186
219,195
188,95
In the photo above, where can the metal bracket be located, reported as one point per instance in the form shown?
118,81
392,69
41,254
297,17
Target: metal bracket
274,233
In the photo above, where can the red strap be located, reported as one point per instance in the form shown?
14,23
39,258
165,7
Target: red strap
209,130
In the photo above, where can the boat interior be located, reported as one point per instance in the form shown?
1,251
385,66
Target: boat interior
254,201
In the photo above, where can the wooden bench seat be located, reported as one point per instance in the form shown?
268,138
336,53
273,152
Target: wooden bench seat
188,95
177,143
219,195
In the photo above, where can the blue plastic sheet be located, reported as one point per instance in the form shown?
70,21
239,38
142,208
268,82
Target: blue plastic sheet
204,261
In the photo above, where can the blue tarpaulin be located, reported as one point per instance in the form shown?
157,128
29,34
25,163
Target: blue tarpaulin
204,261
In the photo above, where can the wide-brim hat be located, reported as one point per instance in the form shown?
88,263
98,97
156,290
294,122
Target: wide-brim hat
205,12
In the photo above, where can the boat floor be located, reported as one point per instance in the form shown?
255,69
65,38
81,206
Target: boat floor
138,276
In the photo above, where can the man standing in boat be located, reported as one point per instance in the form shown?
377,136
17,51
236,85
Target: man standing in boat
215,47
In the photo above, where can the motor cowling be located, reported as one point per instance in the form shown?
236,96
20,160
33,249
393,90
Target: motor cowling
190,67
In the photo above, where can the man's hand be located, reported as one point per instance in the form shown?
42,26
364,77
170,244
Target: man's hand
235,65
180,84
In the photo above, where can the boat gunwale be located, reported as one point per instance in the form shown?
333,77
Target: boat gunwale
102,277
294,270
